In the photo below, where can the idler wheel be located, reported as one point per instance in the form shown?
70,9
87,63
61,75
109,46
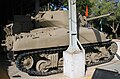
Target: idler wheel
41,66
27,62
113,47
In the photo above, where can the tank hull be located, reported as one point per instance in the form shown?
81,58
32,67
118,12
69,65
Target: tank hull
54,37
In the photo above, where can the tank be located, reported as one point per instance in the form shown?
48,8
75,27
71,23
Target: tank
39,50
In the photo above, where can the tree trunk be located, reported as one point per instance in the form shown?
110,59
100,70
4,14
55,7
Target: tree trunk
114,29
116,36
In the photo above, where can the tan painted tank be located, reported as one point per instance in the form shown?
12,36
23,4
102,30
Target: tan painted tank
39,51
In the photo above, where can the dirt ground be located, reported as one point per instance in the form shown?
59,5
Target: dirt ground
4,67
3,74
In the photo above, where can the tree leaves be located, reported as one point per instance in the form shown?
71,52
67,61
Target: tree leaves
104,7
81,6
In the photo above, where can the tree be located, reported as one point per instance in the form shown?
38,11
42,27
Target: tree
104,7
81,6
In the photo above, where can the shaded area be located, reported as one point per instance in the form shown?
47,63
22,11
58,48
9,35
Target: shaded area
3,73
110,71
9,8
4,63
97,34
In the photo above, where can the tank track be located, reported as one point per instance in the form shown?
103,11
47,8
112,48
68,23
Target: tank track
59,50
88,46
32,72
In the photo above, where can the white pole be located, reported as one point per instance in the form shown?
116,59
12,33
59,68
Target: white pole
74,58
72,26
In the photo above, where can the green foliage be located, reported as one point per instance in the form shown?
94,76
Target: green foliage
81,6
104,7
117,13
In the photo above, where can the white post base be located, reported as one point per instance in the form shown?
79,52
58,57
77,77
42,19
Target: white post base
74,64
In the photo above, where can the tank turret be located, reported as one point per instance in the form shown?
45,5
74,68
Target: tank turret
53,18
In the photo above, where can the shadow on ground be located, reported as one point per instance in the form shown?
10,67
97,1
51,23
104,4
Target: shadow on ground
4,64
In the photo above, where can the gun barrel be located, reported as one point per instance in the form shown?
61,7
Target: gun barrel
88,19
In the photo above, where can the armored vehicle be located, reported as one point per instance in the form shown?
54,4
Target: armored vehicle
38,49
